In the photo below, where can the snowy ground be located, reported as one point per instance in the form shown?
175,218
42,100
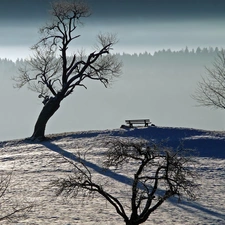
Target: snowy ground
35,165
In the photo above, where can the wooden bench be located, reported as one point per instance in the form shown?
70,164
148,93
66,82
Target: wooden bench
143,121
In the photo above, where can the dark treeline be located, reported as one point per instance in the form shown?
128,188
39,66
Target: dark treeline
200,56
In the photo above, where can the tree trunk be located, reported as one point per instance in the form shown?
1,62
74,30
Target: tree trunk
47,112
133,220
131,223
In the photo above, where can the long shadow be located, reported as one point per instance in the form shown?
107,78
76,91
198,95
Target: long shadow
186,205
191,207
98,169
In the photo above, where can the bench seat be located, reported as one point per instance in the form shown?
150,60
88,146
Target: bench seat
141,121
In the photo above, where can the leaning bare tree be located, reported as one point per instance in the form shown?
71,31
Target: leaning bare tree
55,74
211,90
159,173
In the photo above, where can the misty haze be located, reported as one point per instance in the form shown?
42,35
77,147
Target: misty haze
158,87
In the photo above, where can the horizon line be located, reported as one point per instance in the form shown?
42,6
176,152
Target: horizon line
152,53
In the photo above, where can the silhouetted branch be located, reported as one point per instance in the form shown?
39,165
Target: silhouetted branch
60,74
211,90
15,211
160,173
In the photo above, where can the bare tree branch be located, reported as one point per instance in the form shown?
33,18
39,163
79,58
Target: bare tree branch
160,173
16,211
45,69
211,90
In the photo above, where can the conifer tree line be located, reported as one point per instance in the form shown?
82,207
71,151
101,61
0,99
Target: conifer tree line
8,66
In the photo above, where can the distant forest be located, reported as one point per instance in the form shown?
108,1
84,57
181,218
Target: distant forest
200,56
165,57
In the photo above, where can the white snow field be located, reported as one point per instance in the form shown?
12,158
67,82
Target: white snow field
35,165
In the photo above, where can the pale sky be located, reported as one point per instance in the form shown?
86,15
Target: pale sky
143,25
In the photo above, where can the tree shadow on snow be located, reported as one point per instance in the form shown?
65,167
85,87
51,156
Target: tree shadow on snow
189,206
98,169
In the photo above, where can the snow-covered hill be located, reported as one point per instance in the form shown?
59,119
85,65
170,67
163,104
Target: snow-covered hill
35,165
